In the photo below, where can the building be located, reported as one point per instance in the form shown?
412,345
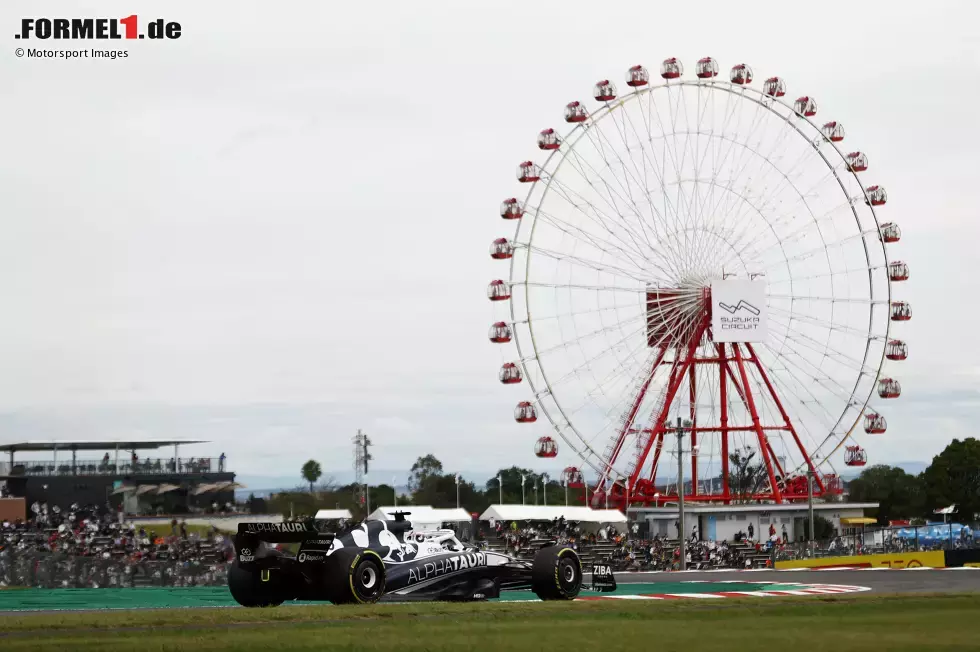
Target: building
723,522
65,472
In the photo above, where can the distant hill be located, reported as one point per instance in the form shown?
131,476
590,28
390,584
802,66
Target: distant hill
263,485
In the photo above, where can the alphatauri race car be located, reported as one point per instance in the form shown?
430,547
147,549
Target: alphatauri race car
391,560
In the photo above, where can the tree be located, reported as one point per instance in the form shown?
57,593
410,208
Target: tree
953,478
823,528
311,472
511,481
744,477
424,467
899,495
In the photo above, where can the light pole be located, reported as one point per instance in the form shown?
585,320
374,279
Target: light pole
809,501
535,491
500,483
564,481
544,487
523,479
457,491
681,424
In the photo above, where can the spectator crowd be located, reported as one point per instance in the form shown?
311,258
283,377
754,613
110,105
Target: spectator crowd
90,546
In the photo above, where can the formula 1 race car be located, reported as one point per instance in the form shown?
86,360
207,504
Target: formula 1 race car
392,561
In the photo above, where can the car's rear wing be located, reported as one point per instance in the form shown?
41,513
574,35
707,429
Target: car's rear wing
312,541
280,532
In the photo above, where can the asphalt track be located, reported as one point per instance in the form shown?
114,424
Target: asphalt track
920,580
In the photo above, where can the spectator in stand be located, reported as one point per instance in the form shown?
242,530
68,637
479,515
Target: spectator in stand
88,547
751,532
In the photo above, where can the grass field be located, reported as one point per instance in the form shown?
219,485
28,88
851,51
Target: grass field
832,623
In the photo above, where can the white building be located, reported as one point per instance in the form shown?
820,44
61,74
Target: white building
722,522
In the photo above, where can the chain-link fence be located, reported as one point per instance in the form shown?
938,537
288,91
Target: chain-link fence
50,570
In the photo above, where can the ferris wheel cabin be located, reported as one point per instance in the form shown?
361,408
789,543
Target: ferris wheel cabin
528,172
500,333
671,68
876,195
774,87
498,291
637,76
501,249
898,271
857,162
833,131
740,74
576,112
545,447
511,209
855,456
874,423
548,140
896,350
604,91
901,311
510,374
890,232
706,68
525,412
805,106
889,388
572,478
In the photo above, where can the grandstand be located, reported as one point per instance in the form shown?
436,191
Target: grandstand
55,474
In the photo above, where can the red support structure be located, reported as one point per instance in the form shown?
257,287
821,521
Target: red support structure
723,385
763,441
735,361
630,417
786,419
694,428
676,378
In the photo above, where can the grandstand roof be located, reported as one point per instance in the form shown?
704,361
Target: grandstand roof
327,514
94,444
421,514
551,512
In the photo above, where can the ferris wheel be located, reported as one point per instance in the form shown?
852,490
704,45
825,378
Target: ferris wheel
702,256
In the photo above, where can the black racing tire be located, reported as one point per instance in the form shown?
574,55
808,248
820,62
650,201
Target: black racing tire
249,590
556,573
355,576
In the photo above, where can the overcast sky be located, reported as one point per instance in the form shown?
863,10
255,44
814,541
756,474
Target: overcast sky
274,230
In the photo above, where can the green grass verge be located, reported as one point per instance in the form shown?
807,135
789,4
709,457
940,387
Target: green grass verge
838,623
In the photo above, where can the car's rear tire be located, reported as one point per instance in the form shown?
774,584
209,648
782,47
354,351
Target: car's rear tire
250,590
556,573
355,576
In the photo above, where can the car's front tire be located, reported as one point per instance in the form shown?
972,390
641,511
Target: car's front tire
556,573
355,576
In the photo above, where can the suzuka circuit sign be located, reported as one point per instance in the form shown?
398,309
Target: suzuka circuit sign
738,311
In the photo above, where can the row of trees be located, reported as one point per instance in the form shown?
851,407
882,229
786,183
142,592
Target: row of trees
428,484
953,478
